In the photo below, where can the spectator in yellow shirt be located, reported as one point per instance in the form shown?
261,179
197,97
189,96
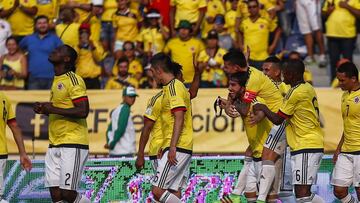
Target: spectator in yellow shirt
212,59
184,49
214,7
125,23
123,78
254,33
153,37
135,67
90,53
340,30
226,41
230,18
190,10
68,30
81,7
49,9
20,14
107,29
94,19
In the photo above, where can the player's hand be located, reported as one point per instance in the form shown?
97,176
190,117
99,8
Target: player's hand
172,156
258,107
25,162
140,162
231,111
47,107
38,108
223,103
336,155
344,4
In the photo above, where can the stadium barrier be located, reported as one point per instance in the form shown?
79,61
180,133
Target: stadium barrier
116,180
211,134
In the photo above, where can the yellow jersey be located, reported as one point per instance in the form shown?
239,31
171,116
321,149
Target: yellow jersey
257,134
215,73
214,7
68,33
95,28
86,64
48,8
81,13
255,32
189,51
341,23
301,109
152,40
176,98
126,25
15,66
110,7
262,86
283,88
350,108
115,83
230,21
7,115
66,90
187,9
153,112
21,23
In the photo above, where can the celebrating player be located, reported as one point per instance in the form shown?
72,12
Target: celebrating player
304,135
347,154
176,129
68,133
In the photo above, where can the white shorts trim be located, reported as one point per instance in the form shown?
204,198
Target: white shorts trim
172,177
346,171
64,167
305,167
276,140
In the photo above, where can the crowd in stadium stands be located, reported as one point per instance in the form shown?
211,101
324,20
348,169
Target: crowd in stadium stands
115,39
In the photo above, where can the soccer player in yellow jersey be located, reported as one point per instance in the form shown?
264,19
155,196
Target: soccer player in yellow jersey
152,121
8,119
68,133
258,85
347,155
176,125
306,140
256,134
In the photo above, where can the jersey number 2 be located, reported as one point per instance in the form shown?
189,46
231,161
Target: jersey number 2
67,178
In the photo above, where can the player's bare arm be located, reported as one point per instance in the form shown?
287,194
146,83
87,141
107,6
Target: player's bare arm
242,107
178,126
24,159
144,138
273,117
80,109
256,117
338,149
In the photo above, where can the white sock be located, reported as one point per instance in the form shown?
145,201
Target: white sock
348,199
168,197
316,198
81,199
288,199
267,178
240,186
251,200
303,200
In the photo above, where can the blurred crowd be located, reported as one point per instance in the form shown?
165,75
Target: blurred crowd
115,39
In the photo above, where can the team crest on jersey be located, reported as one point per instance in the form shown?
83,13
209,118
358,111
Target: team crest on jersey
60,86
356,100
262,26
148,111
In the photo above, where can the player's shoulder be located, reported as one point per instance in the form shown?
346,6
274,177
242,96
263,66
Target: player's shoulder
74,79
175,86
157,97
300,90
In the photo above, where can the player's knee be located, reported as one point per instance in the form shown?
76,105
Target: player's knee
340,192
157,192
302,191
55,194
69,195
269,154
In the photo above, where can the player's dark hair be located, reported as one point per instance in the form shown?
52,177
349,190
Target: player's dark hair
122,60
236,57
294,53
276,62
163,61
41,17
350,70
240,77
72,54
176,68
294,66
